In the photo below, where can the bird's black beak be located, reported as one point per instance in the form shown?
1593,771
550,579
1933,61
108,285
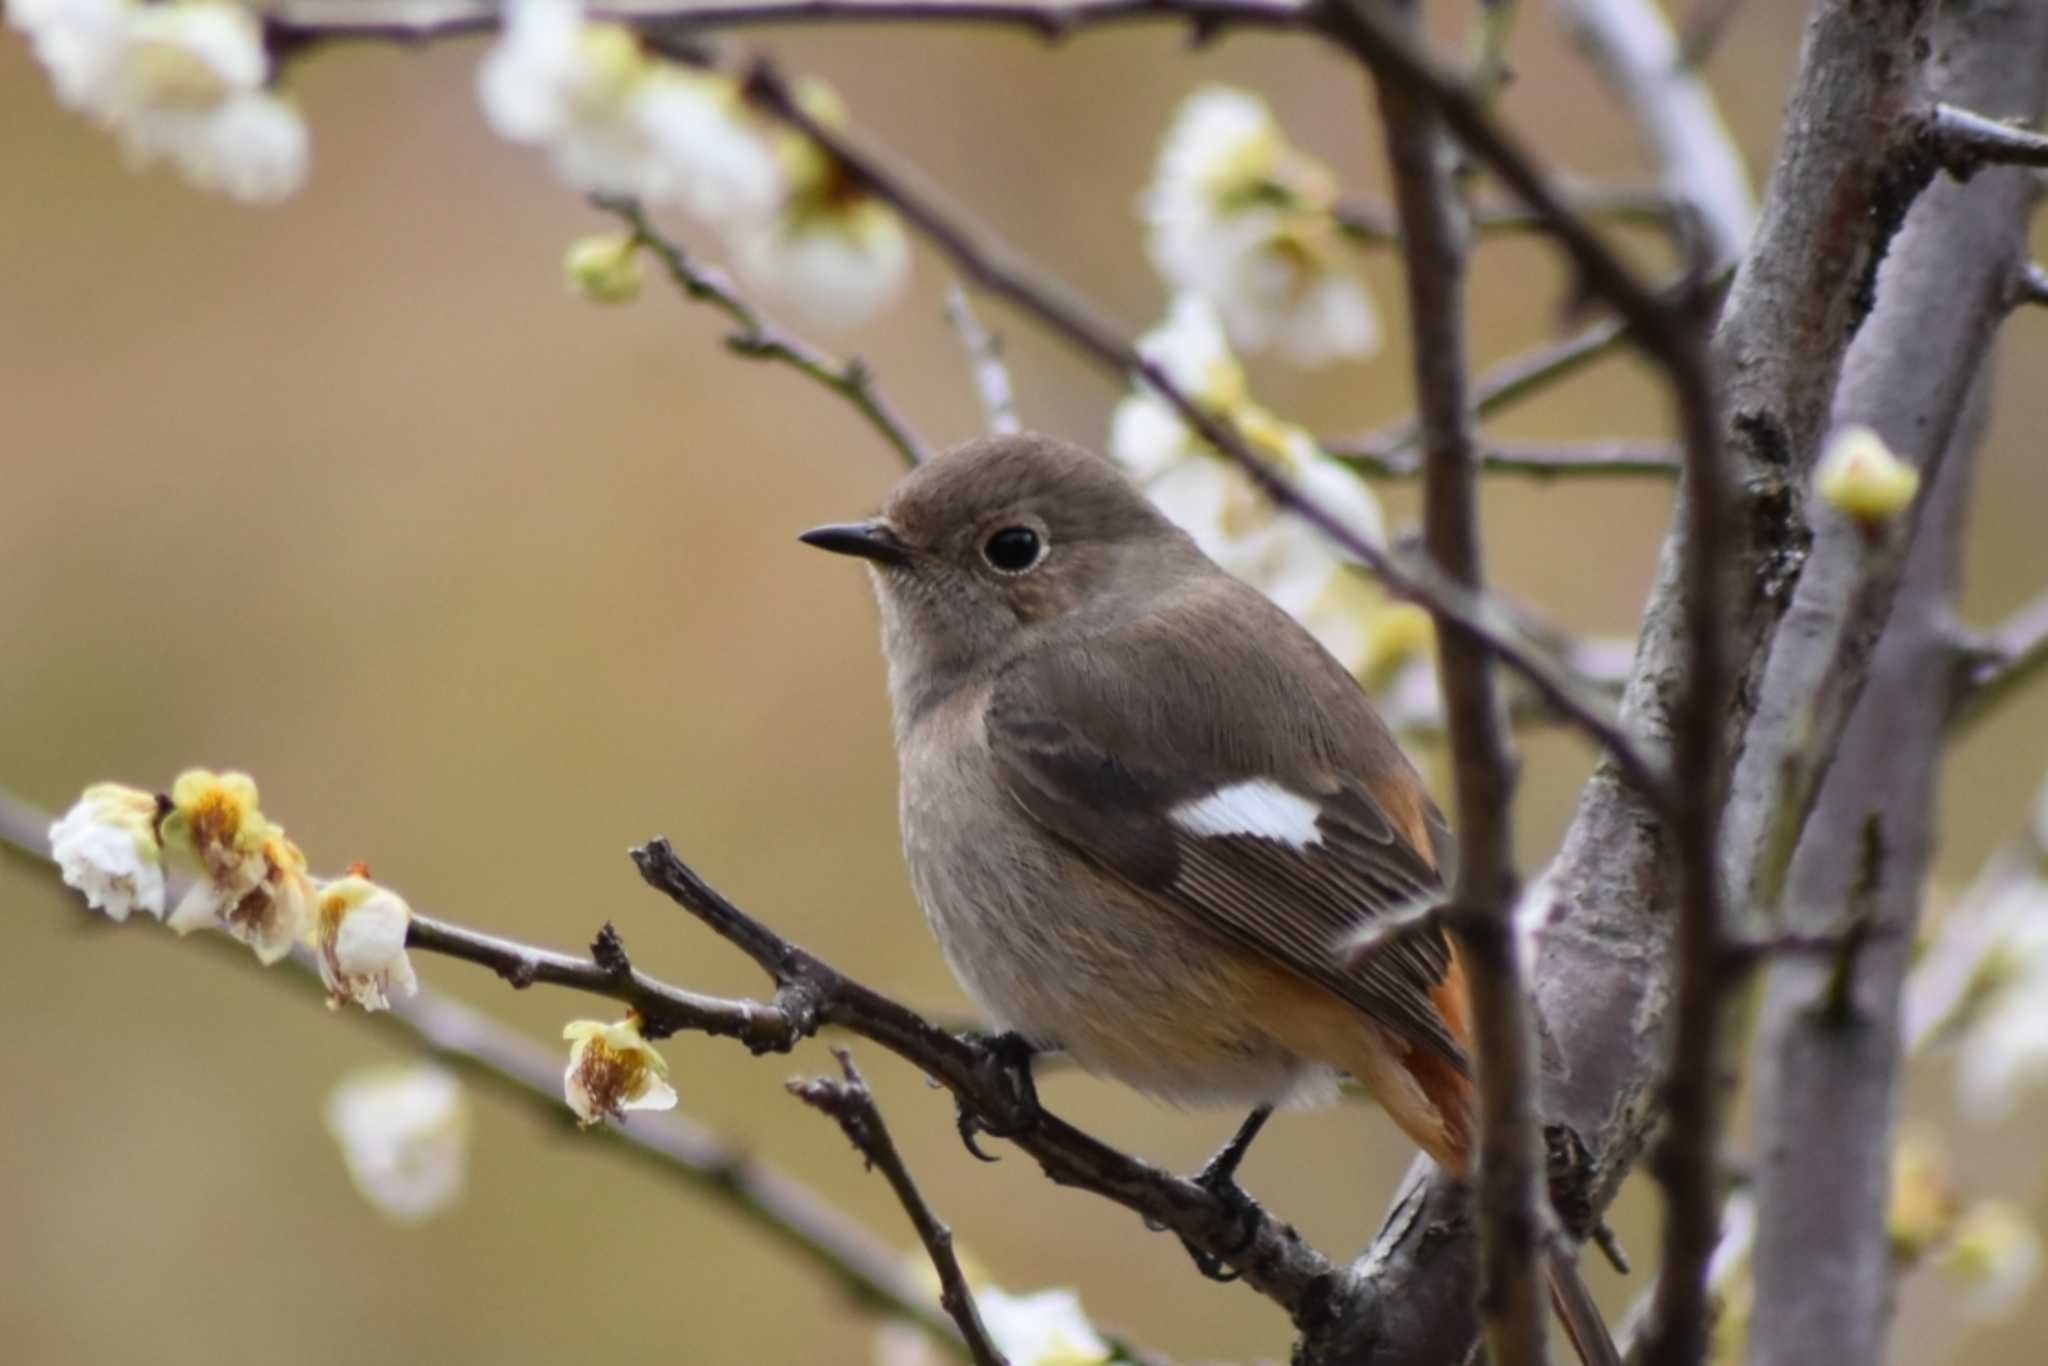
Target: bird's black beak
869,540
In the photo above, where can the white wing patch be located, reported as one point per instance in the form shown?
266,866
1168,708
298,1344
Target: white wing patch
1260,807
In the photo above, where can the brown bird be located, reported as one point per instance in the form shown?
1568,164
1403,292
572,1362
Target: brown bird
1142,808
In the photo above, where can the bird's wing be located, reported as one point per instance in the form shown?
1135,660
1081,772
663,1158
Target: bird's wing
1233,780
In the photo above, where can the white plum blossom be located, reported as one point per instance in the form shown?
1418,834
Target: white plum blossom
838,267
612,1069
1285,557
183,81
616,120
404,1135
359,939
1241,217
837,253
1043,1328
106,847
249,879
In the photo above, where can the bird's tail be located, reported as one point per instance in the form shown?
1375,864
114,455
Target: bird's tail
1577,1312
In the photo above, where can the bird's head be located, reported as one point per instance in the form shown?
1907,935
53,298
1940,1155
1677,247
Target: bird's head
997,544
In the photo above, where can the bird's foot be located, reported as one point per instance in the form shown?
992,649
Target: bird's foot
1006,1071
1219,1177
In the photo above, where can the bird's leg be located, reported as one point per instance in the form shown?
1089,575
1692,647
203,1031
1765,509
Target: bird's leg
1219,1177
1005,1066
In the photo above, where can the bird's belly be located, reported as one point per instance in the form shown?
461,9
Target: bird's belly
1123,986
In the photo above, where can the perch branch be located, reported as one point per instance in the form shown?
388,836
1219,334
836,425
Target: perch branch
487,1051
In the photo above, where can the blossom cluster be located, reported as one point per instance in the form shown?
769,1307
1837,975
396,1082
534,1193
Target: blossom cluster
184,81
616,119
403,1134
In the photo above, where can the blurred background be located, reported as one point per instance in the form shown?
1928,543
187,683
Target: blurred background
485,584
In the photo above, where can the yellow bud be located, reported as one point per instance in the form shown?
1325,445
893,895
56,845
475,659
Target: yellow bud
1860,477
604,267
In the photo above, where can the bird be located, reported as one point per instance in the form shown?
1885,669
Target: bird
1143,810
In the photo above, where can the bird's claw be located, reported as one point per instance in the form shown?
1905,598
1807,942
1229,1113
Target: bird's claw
1006,1066
1219,1177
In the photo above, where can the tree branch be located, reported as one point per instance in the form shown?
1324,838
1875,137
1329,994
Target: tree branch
1964,142
297,22
1632,45
985,355
1433,230
488,1052
852,1105
1541,463
2002,663
759,339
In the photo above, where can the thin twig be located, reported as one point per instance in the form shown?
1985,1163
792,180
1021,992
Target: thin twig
2001,663
985,357
994,268
852,1105
1963,142
293,24
1434,231
759,339
1632,45
2030,287
1611,459
1506,383
487,1051
1376,225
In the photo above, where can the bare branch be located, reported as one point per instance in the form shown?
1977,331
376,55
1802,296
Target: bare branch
2002,663
290,26
1506,383
1376,225
1511,1299
2030,286
1620,459
1963,142
985,355
759,339
853,1106
1632,45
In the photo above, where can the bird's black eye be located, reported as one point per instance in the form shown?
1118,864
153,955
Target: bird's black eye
1013,550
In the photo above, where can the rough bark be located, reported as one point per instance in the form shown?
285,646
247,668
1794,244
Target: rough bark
1828,1058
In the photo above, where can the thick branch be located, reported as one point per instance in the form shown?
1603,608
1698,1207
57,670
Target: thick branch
1828,1077
852,1105
1833,199
1511,1299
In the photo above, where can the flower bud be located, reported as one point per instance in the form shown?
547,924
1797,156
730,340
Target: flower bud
106,847
1860,478
604,267
359,934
